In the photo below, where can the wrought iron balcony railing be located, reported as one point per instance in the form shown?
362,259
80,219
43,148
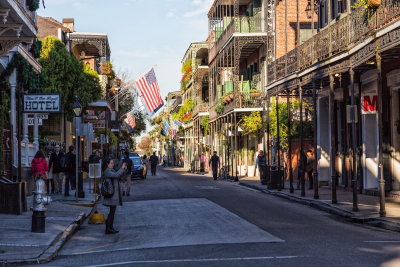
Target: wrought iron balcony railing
232,25
335,39
246,94
201,107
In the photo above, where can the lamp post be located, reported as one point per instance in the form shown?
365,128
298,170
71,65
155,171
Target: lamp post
77,108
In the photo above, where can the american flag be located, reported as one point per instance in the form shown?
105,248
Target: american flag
150,91
130,120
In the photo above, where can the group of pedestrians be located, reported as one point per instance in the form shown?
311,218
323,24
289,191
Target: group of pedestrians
52,171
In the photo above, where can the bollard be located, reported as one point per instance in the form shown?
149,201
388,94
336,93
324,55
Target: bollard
39,201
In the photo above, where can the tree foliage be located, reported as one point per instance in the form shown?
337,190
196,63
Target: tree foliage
145,144
284,120
251,123
66,75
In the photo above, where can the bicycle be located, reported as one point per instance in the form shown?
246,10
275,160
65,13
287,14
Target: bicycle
223,173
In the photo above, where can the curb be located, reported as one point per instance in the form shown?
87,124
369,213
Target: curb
376,222
52,251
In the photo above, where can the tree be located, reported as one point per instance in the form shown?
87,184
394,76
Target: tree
145,144
64,74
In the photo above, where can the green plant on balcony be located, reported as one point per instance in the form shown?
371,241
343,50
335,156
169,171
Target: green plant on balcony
255,93
187,71
205,125
33,5
251,123
219,108
367,4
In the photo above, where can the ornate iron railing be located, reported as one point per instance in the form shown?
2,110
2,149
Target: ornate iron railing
201,107
335,39
235,25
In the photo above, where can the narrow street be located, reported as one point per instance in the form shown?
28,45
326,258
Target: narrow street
182,219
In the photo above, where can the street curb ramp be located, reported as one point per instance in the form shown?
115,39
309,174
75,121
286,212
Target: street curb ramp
376,222
52,251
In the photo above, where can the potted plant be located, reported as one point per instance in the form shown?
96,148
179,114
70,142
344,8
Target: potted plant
219,108
255,93
227,99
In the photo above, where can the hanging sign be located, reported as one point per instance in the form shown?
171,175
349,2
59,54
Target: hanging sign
42,103
31,122
369,104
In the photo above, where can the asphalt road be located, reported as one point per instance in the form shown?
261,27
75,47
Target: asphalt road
181,219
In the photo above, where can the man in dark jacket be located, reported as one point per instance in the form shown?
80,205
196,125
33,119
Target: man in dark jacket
55,163
126,179
70,170
261,163
153,163
214,163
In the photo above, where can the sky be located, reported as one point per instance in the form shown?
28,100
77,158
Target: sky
141,33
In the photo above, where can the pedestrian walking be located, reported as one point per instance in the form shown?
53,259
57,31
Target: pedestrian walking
39,166
301,168
146,162
214,163
202,163
310,168
116,198
126,180
70,171
55,163
153,163
165,160
261,163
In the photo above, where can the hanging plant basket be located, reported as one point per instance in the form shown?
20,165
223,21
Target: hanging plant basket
230,97
255,95
374,3
227,99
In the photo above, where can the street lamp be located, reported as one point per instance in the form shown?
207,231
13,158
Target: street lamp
77,108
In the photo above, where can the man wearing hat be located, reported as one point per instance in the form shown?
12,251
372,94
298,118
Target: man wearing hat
214,163
261,163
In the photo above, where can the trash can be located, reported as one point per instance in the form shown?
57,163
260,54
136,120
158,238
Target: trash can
275,177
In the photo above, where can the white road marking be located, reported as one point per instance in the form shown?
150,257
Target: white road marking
383,241
195,260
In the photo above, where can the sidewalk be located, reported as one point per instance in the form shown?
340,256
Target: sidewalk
18,245
368,205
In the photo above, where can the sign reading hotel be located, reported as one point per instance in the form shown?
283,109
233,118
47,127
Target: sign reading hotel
42,103
369,104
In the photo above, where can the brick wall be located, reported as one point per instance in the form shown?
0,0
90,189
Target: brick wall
291,25
46,28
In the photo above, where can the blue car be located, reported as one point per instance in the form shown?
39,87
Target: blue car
138,169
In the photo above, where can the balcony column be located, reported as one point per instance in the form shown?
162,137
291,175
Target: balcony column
315,165
278,143
236,147
332,111
353,141
382,209
303,159
290,142
268,150
26,138
36,132
13,119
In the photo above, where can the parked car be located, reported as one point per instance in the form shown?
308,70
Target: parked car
138,168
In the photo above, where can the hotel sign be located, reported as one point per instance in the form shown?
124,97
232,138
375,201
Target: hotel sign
42,103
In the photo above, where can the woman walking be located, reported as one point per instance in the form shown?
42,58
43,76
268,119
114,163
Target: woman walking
116,198
39,167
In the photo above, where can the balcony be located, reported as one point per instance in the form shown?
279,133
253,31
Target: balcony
235,26
246,94
334,40
201,107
